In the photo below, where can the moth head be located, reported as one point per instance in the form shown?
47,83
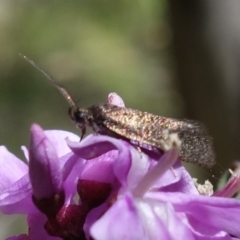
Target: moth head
79,116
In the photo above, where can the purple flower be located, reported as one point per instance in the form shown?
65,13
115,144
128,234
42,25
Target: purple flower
29,188
105,188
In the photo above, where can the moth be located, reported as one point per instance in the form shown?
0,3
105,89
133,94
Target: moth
139,126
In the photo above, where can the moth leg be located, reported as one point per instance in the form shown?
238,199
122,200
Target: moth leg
82,134
96,128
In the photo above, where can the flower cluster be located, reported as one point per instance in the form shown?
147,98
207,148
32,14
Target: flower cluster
107,189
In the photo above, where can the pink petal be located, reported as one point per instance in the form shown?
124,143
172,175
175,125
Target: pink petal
11,169
18,198
58,138
216,212
44,168
121,221
115,99
36,228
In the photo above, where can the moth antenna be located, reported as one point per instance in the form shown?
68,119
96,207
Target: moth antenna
61,89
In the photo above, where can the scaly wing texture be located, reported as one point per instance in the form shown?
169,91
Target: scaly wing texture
148,129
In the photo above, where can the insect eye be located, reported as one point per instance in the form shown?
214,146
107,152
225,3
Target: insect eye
76,115
79,117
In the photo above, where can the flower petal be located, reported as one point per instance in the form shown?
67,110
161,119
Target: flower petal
105,163
121,221
216,212
177,179
205,232
164,164
231,188
11,169
131,168
44,168
115,99
94,146
18,198
71,171
36,228
58,139
161,221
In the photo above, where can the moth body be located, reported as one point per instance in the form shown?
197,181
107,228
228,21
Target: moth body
147,128
141,127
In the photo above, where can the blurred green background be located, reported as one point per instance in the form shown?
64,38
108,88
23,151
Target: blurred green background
173,58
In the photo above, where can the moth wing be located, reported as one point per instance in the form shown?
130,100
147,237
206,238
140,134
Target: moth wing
132,124
197,145
149,129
